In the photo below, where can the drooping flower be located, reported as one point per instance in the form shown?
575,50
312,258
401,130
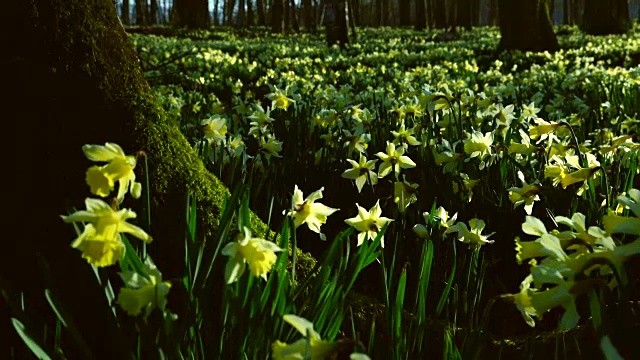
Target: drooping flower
119,167
441,216
258,253
369,223
308,211
404,194
478,145
100,240
361,172
473,235
143,292
310,347
527,194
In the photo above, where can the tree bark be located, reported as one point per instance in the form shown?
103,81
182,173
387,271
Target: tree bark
492,17
240,21
378,14
439,14
463,15
261,13
250,18
277,18
193,14
153,12
421,15
126,12
405,12
90,90
526,25
336,23
142,13
604,17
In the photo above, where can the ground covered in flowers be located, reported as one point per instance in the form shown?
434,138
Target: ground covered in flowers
503,182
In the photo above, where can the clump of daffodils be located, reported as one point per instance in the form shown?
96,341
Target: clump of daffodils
119,167
258,253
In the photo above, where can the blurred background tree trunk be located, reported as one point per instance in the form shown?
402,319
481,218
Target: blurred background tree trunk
421,15
126,11
526,25
142,13
405,12
277,18
604,17
193,14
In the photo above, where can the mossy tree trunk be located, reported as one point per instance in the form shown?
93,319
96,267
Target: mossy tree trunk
526,25
604,17
75,79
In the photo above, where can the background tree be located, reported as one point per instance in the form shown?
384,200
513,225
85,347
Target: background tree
405,12
250,17
603,17
421,15
142,12
241,6
526,25
125,11
439,14
260,5
336,22
464,13
153,12
192,14
277,18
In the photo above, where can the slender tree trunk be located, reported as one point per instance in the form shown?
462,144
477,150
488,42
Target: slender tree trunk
153,12
308,14
566,13
405,12
216,13
475,12
439,14
192,13
293,15
421,15
287,15
231,5
526,25
126,11
142,12
464,14
336,22
250,18
604,17
261,13
277,18
378,16
386,12
240,21
492,17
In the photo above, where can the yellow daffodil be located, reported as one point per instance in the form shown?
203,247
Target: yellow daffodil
311,347
542,130
394,160
369,223
404,136
258,253
441,216
361,172
478,145
308,211
472,236
614,224
119,167
271,146
279,99
214,129
530,111
527,194
100,241
404,194
143,292
356,142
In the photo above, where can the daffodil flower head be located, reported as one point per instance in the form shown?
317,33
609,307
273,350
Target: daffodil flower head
215,129
369,223
527,194
361,172
279,99
311,347
306,210
404,194
143,292
473,235
100,240
393,160
119,167
478,145
258,253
